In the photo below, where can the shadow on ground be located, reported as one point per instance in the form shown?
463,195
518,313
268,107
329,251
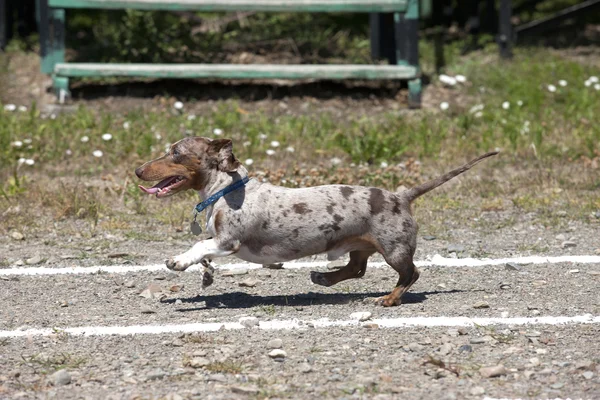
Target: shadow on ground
190,90
245,300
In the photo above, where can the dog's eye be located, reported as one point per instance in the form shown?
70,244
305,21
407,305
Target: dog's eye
175,152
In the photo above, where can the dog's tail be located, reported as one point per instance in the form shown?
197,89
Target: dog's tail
413,193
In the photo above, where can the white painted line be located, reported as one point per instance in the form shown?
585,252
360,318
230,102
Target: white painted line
300,324
435,261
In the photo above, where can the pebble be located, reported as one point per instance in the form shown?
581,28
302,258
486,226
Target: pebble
217,378
176,288
178,301
568,244
527,374
177,342
492,372
573,271
245,389
19,263
305,368
415,347
455,248
275,343
152,291
511,266
588,375
263,272
462,331
505,286
129,284
60,378
445,349
199,362
584,364
277,353
535,361
250,282
156,375
17,235
361,316
429,237
481,304
465,348
147,310
452,332
561,237
249,322
477,391
235,272
541,351
34,260
557,385
477,340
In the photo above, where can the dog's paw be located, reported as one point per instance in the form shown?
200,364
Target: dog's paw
384,301
176,264
319,279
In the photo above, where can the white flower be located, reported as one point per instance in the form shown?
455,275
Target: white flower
562,83
97,153
52,116
85,139
10,107
597,86
218,131
290,149
270,152
588,83
29,161
384,164
191,117
551,88
27,141
506,105
447,80
593,79
158,136
262,136
167,147
21,160
336,161
68,152
274,143
444,105
478,114
520,103
476,108
22,108
126,125
106,137
178,105
249,161
460,78
246,143
17,143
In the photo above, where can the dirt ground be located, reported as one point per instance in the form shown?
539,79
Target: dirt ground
353,362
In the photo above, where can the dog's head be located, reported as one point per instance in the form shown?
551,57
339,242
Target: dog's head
189,164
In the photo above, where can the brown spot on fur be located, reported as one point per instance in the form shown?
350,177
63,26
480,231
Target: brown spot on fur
301,208
406,226
296,232
254,245
397,205
346,191
338,218
330,208
218,221
265,225
376,201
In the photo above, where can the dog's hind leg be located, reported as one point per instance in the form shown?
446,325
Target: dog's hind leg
354,269
403,264
206,249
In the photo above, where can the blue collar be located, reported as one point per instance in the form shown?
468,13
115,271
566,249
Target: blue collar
212,199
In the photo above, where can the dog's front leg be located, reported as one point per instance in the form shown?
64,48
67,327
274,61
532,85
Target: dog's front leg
200,251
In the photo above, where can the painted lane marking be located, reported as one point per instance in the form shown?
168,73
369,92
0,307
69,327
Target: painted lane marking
300,324
435,261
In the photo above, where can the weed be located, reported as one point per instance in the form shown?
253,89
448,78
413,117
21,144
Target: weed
4,342
47,364
227,367
268,309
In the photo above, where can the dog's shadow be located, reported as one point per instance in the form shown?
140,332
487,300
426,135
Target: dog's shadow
234,300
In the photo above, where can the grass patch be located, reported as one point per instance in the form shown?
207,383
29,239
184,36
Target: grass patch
225,367
46,364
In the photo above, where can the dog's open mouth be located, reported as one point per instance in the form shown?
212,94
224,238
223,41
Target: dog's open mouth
165,187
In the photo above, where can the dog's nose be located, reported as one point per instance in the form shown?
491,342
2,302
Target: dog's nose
139,171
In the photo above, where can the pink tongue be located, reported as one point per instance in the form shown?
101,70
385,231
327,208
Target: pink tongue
152,190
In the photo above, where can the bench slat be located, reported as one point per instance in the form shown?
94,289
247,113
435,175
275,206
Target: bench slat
238,71
241,5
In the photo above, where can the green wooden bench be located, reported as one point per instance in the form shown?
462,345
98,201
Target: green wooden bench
406,19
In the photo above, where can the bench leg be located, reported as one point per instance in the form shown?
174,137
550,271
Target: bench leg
57,54
407,47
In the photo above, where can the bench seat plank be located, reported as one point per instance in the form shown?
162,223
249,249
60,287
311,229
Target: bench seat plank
241,5
238,71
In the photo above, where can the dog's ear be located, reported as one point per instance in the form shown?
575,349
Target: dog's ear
222,149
